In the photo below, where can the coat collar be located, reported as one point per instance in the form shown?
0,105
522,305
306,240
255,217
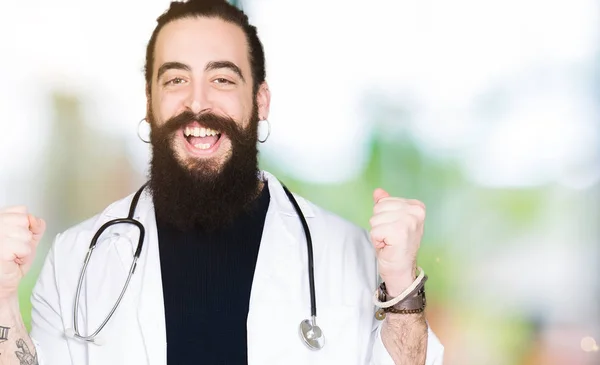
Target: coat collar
281,202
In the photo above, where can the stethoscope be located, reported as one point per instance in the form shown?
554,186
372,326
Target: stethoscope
310,333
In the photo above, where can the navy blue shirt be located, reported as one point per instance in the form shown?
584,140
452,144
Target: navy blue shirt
206,280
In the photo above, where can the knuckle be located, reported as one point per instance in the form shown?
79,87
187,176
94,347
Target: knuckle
28,236
27,250
411,223
419,212
374,232
377,208
416,202
14,219
21,251
22,220
372,221
4,239
415,225
15,208
24,250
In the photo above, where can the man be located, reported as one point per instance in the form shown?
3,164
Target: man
222,273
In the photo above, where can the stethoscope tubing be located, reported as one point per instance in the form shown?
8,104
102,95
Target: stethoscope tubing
136,256
309,247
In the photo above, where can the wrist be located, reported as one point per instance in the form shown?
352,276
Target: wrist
411,301
9,304
396,284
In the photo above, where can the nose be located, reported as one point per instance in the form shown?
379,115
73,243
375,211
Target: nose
198,99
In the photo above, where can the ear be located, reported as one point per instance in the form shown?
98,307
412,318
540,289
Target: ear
263,100
148,103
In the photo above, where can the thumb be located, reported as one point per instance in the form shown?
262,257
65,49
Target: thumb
379,194
37,226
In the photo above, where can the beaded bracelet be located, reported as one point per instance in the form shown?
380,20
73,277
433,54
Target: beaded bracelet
410,290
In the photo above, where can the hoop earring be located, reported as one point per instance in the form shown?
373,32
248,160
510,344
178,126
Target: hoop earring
138,131
268,133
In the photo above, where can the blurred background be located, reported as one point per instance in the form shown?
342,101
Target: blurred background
488,111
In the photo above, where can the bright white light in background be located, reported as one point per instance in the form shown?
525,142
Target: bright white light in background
588,344
94,50
317,75
17,124
537,143
319,131
445,55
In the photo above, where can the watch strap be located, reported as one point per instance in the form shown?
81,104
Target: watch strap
415,302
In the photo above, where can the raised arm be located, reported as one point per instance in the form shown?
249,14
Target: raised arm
396,231
20,234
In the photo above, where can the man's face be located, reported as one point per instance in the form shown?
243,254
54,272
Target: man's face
201,65
204,167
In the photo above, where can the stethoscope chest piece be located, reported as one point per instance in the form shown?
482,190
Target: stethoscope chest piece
311,334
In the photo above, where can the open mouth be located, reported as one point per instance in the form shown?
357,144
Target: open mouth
201,138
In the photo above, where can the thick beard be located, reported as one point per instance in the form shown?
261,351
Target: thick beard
201,194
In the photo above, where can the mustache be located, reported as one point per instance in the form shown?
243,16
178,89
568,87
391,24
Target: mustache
222,124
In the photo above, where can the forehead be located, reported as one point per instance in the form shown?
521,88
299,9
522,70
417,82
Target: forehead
198,40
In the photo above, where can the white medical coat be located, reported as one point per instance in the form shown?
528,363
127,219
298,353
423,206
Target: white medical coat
345,277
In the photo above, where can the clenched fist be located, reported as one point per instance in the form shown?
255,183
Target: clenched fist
396,232
20,233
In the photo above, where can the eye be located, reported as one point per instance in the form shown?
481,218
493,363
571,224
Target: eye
175,81
223,81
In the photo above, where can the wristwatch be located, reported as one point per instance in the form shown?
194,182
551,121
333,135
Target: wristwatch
414,303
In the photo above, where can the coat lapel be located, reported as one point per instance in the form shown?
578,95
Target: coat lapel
150,307
279,298
106,276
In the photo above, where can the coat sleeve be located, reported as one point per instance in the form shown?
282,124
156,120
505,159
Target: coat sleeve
380,356
47,330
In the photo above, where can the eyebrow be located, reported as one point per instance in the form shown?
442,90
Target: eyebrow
215,65
171,66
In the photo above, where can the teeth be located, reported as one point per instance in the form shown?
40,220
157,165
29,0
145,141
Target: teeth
199,132
202,146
